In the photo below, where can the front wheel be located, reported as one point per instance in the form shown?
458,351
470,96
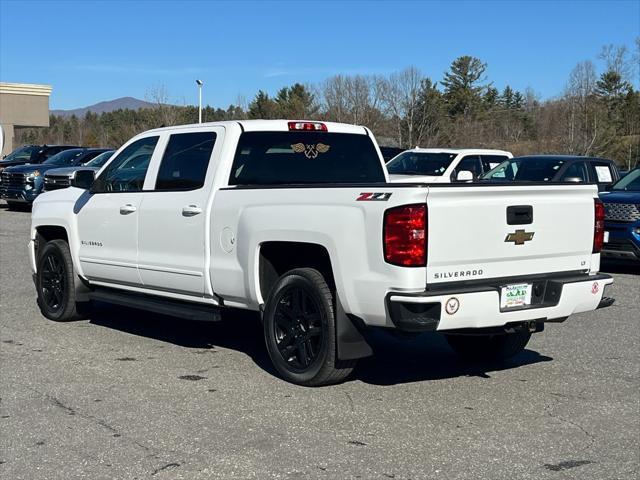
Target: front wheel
489,347
300,330
55,283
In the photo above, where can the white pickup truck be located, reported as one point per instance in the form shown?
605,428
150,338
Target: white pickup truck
443,165
297,220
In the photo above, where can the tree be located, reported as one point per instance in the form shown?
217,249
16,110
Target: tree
463,85
296,101
490,97
262,106
616,60
610,85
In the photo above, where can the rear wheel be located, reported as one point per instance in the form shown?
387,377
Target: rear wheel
300,330
55,284
489,347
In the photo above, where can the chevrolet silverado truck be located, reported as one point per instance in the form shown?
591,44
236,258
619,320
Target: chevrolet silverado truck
297,220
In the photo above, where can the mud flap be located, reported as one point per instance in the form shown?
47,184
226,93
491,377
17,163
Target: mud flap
351,342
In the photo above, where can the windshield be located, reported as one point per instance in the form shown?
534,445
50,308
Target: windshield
526,169
67,157
629,183
421,163
22,153
100,160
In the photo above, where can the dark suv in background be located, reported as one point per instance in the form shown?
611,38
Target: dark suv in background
556,168
32,154
21,184
622,221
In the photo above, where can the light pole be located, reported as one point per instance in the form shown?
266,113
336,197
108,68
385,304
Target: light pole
200,83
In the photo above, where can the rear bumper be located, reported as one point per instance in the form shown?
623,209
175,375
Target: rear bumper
478,305
623,242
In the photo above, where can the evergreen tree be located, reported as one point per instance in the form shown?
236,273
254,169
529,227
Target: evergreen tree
262,106
463,86
611,85
491,97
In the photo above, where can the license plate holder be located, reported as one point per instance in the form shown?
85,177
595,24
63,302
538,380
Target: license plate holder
515,296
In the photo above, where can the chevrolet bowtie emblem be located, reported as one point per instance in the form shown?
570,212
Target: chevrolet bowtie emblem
519,237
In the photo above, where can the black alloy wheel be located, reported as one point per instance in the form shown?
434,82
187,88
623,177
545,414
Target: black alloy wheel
298,328
53,281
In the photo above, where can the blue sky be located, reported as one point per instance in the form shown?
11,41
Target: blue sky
93,51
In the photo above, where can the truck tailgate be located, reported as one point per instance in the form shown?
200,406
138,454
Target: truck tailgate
470,236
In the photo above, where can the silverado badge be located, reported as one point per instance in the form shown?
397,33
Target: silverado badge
519,237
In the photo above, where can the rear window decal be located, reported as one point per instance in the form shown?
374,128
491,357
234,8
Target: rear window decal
310,151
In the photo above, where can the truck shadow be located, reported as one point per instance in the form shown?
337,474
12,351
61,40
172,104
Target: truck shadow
620,266
422,358
427,357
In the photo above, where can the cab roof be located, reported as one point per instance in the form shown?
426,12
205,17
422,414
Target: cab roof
466,151
269,126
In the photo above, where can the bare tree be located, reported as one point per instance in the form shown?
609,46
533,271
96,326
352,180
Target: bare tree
581,112
166,114
616,58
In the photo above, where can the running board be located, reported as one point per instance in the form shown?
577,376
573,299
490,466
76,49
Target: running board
173,308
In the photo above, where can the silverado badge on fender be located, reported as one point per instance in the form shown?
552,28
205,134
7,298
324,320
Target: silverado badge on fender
519,237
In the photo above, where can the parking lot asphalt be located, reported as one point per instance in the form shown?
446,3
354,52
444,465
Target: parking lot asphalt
133,395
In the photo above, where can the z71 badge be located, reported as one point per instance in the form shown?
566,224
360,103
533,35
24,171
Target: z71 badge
374,197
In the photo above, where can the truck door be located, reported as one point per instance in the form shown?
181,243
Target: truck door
108,221
173,219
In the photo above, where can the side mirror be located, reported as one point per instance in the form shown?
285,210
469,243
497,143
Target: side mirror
464,176
83,179
573,179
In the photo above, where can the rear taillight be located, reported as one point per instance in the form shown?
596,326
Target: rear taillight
598,225
312,126
405,235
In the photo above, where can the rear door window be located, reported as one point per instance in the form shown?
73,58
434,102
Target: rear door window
185,161
276,158
489,162
470,163
576,170
602,173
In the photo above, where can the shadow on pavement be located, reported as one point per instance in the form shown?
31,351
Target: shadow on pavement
427,357
422,358
620,266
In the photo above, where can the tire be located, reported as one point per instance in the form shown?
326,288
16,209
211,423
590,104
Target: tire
55,284
13,206
489,347
300,330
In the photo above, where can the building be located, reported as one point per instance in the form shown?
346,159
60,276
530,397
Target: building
22,105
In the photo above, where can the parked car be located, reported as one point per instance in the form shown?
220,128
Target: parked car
622,221
61,177
389,152
438,165
21,184
295,220
556,168
32,154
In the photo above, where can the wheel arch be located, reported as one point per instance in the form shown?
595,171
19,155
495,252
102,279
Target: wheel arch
278,257
46,233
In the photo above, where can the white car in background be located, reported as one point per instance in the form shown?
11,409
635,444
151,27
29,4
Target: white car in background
443,165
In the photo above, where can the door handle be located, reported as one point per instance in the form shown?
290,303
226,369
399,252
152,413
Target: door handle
127,209
191,210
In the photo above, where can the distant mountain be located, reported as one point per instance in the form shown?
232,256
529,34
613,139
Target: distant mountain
108,106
